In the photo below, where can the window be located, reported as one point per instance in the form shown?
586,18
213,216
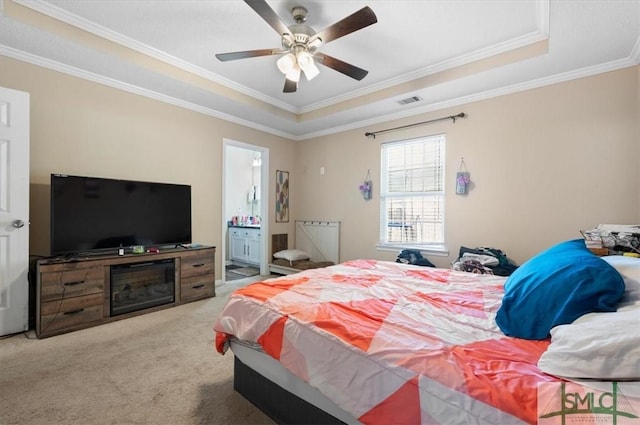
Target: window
412,193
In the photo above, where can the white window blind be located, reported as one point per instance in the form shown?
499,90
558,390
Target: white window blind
412,193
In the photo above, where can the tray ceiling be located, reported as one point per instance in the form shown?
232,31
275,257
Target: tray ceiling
445,53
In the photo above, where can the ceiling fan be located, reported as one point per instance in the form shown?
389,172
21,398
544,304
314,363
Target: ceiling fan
300,44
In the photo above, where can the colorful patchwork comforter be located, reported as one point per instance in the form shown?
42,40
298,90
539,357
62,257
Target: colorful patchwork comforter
393,343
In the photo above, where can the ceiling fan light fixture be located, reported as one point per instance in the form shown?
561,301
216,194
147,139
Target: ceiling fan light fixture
314,43
304,59
287,63
294,74
307,64
311,71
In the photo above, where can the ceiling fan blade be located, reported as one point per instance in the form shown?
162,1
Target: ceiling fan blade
290,86
358,20
341,66
266,12
231,56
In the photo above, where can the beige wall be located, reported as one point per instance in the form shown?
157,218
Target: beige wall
544,164
79,127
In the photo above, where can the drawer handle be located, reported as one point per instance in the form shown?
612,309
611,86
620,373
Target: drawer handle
80,310
198,265
77,282
198,286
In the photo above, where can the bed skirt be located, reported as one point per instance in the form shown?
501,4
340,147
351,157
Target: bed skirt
276,402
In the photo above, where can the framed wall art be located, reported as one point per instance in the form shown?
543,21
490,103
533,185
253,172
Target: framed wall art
282,196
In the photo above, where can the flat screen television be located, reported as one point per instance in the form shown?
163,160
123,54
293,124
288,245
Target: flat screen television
91,214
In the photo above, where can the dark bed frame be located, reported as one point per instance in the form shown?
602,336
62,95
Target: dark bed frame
276,402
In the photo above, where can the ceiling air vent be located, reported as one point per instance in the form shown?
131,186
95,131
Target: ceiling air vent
411,99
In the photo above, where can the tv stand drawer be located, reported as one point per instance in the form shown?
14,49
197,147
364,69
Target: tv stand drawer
72,283
70,313
193,288
197,263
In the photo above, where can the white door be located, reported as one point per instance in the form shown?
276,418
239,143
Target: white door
14,211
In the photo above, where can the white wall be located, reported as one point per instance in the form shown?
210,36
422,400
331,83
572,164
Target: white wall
241,176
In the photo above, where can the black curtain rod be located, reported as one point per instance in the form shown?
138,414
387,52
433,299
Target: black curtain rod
450,117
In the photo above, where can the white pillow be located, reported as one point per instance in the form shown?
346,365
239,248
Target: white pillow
629,269
602,346
292,255
626,266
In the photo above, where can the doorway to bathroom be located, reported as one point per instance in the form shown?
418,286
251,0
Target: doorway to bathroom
244,209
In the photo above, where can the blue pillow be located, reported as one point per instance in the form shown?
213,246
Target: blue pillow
555,287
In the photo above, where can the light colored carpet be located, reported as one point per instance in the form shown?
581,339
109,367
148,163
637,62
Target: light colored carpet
158,368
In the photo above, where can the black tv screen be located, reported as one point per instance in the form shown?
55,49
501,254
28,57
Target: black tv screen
90,213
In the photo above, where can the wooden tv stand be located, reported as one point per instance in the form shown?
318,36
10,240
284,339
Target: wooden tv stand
75,293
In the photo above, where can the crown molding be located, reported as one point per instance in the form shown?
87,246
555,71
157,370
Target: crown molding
488,94
100,31
540,34
110,82
635,52
475,56
632,60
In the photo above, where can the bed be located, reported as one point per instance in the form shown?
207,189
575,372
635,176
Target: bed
378,342
317,244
